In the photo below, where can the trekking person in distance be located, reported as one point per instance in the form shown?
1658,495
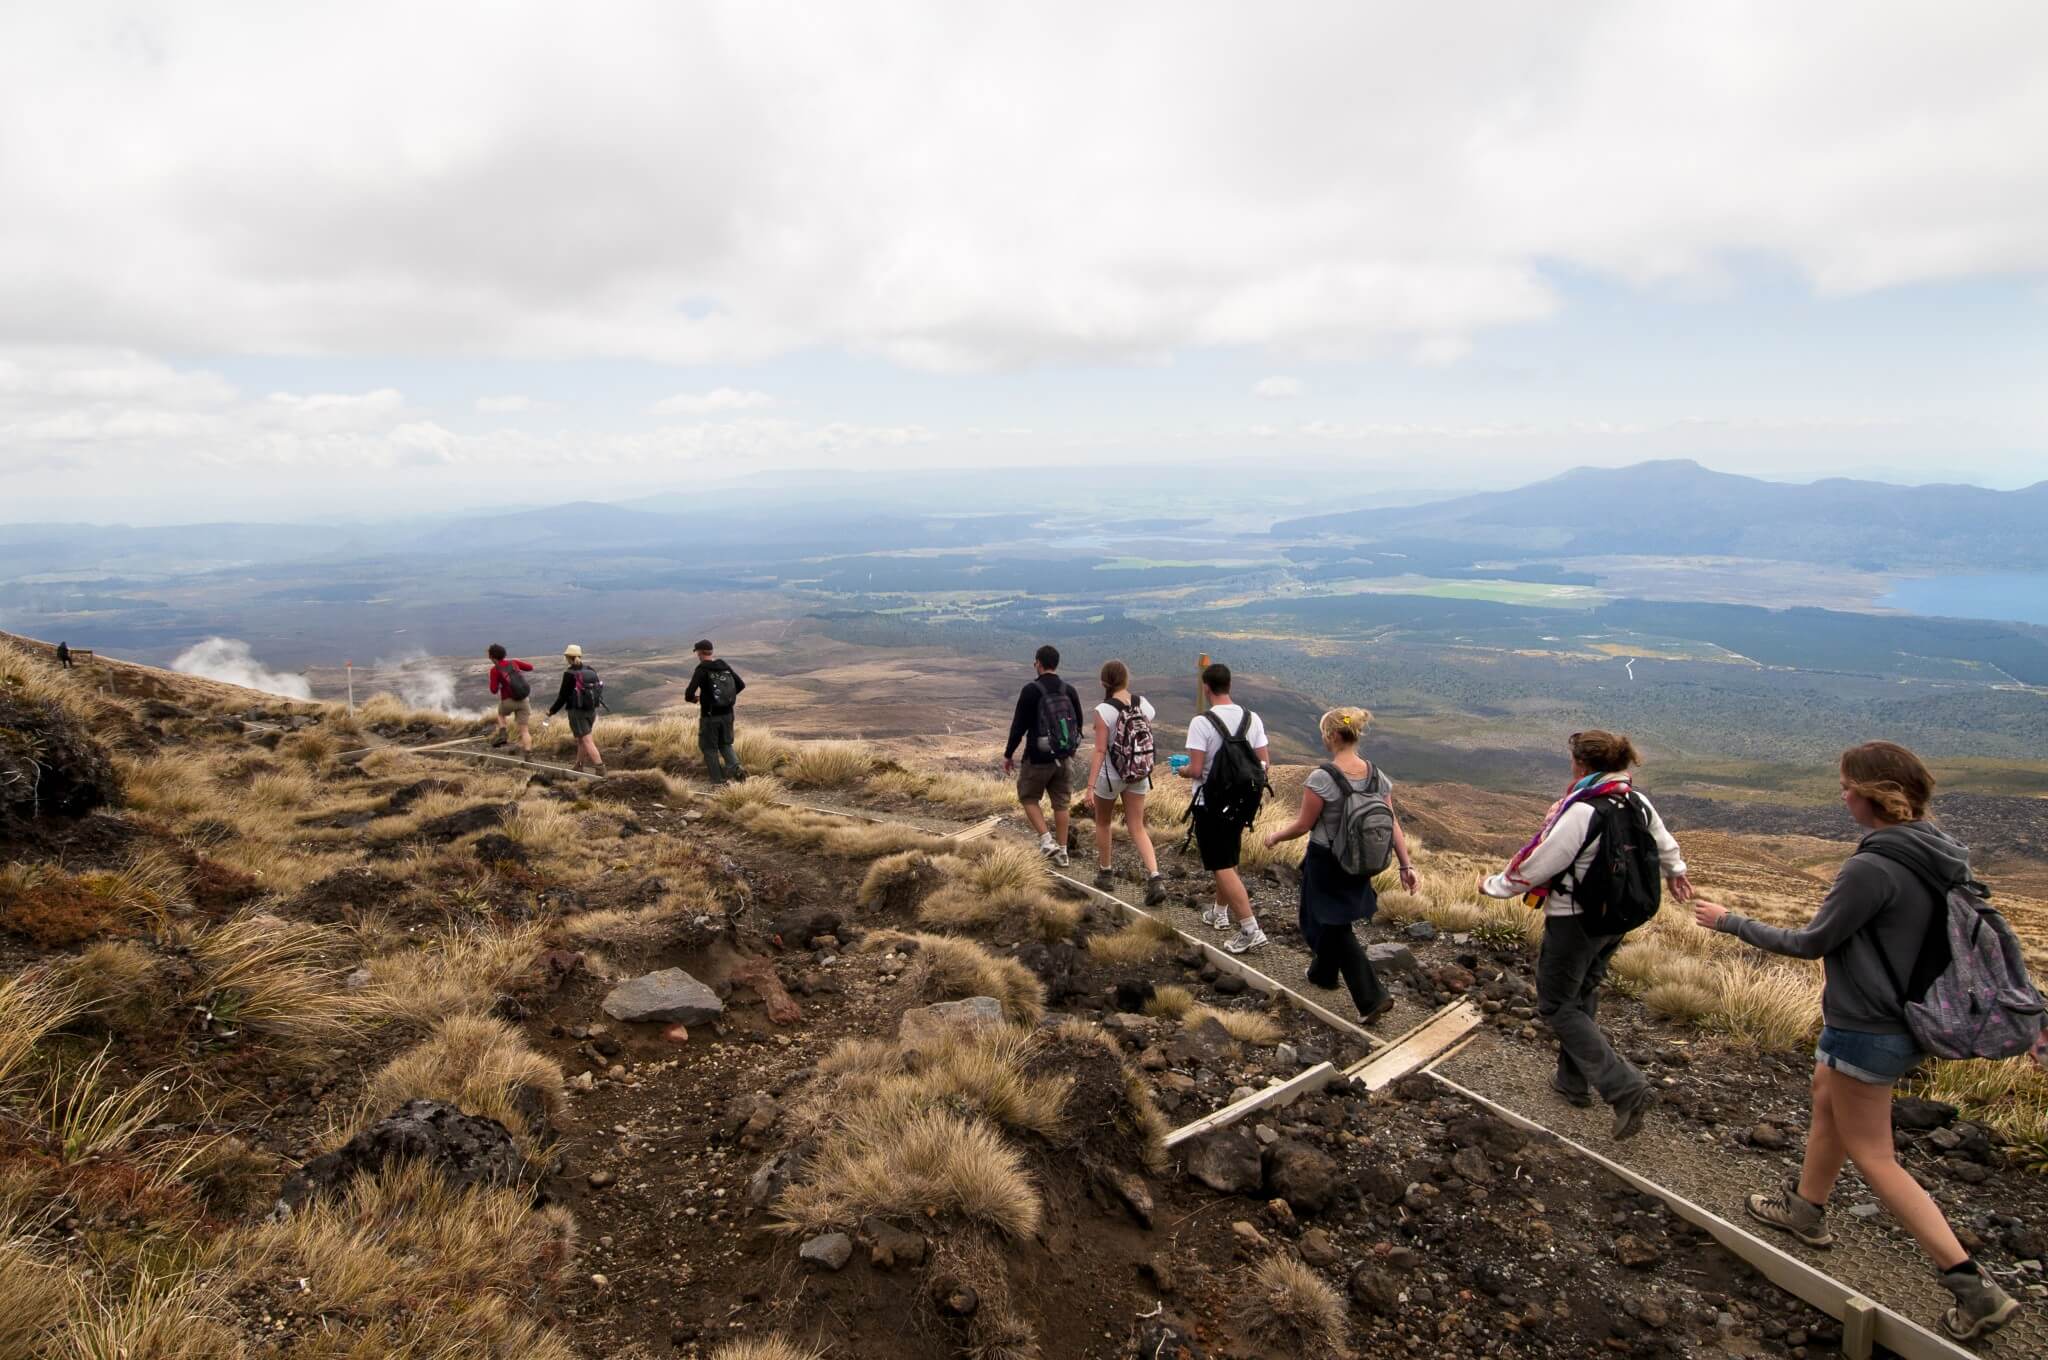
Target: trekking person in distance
1878,932
582,693
1347,812
513,694
714,686
1567,859
64,655
1120,770
1227,760
1048,724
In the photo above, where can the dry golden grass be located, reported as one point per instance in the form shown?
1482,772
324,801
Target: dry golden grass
1170,1001
39,1295
945,967
774,1347
171,1316
826,764
761,751
456,972
895,882
2010,1096
671,739
951,789
274,977
929,1162
1250,1027
1291,1307
88,1114
544,828
756,810
481,1065
1719,984
114,980
983,1072
1140,940
31,1008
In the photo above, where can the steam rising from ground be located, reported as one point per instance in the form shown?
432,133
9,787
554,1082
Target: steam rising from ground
230,660
422,682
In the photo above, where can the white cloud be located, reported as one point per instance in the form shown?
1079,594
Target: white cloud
950,186
709,403
233,662
507,405
1279,388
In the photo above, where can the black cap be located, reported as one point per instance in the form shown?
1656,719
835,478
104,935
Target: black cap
702,645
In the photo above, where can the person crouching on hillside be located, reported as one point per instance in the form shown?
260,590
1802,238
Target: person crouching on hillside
1048,725
1573,962
1879,933
513,694
1121,770
1347,812
582,693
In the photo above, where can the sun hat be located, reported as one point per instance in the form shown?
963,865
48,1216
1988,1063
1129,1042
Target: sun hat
572,650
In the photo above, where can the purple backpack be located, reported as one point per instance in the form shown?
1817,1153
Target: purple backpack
1983,1005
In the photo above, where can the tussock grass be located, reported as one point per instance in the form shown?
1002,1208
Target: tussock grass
1170,1001
826,764
114,980
481,1065
1718,984
1294,1309
404,1261
39,1295
2009,1096
947,968
1676,999
930,1162
1250,1027
544,828
671,740
87,1114
955,790
984,1072
1139,941
761,751
173,785
274,977
895,882
459,971
164,1316
31,1008
774,1347
1005,866
755,809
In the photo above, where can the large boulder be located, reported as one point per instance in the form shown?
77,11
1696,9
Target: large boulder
465,1150
670,996
1205,1044
1304,1176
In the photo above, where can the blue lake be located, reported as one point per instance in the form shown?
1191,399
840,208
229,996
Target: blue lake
2021,597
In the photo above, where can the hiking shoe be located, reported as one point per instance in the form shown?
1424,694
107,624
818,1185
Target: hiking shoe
1582,1099
1981,1306
597,770
1379,1008
1047,848
1629,1112
1785,1210
1308,975
1216,918
1155,890
498,740
1059,856
1248,937
1105,879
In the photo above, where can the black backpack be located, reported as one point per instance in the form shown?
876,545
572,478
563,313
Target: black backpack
587,695
1059,720
511,683
723,685
1624,885
1234,784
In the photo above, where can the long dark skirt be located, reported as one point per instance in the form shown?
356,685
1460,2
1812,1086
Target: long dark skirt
1331,901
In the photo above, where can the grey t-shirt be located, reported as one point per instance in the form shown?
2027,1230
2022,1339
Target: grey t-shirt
1324,832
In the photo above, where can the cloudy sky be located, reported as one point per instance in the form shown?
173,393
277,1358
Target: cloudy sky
304,259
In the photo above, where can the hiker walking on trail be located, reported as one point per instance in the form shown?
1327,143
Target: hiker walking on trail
1594,870
1048,725
714,686
1882,935
1347,812
582,693
1228,761
1120,770
64,655
513,693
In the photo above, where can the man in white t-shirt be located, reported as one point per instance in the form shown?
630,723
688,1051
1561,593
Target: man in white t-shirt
1219,836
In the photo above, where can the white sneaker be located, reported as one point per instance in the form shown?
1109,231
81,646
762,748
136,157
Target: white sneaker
1217,918
1046,847
1248,937
1059,856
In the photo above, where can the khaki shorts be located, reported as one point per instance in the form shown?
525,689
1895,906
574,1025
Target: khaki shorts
522,707
1035,781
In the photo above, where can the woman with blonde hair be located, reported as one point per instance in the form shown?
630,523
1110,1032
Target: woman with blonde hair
1880,933
1332,896
1120,771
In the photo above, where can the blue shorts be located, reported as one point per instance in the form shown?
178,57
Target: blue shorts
1879,1059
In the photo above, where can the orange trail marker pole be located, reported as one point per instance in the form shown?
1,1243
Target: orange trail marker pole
1201,696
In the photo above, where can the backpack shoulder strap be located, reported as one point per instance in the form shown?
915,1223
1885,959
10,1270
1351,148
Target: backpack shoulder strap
1329,767
1937,920
1216,723
1244,725
1119,705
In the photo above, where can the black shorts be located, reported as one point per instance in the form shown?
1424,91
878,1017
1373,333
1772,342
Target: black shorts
1219,839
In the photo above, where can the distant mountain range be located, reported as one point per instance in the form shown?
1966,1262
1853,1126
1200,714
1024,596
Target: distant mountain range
1678,508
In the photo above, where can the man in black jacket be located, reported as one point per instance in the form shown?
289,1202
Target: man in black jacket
714,686
1048,722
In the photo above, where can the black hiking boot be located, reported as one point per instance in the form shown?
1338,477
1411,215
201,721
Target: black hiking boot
1155,890
1582,1099
1629,1112
1105,880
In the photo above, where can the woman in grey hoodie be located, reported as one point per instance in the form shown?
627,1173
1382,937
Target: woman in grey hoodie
1873,935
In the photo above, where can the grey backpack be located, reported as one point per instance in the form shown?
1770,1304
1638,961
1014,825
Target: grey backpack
1983,1005
1365,824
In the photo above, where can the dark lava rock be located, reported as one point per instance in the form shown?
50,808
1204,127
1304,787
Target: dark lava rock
1229,984
51,765
1226,1161
1636,1253
1130,996
831,1250
470,820
1767,1136
465,1149
403,798
498,848
1058,965
670,996
1919,1116
1304,1176
890,1246
796,929
1376,1290
1420,930
1207,1044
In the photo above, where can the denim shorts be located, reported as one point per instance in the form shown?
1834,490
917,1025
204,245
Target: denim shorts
1879,1059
